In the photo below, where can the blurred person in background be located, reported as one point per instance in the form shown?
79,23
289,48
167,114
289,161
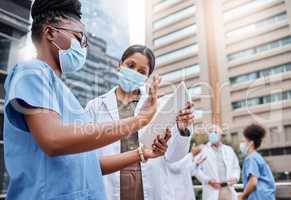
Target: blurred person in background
221,170
182,171
147,180
258,180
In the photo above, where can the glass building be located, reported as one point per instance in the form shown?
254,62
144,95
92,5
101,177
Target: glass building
108,19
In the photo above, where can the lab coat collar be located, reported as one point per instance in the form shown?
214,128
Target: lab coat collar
110,101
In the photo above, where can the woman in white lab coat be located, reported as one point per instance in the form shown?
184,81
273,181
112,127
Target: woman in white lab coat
221,169
149,180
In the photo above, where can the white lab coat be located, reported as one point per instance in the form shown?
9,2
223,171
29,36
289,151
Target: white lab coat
155,171
208,170
180,174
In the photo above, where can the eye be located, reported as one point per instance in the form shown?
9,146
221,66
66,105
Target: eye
142,72
130,65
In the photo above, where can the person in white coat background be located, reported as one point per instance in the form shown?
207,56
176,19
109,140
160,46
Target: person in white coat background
147,180
220,171
182,171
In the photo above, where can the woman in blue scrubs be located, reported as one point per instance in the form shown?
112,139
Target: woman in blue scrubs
48,137
257,176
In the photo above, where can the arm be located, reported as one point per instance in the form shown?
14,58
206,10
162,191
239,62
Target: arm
201,176
182,164
250,187
58,138
110,164
179,145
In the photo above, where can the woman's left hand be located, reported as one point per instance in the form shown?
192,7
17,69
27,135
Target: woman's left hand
185,117
159,147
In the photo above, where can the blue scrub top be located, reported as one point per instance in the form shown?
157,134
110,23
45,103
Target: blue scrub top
33,174
255,165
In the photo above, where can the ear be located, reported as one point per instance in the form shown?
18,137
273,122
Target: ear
49,33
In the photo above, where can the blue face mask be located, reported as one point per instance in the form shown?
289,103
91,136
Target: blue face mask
130,80
72,59
213,138
243,148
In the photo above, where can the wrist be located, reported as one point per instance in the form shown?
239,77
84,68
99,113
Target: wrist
185,132
142,156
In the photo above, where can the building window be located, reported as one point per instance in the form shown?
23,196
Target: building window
198,113
5,45
177,54
287,131
175,17
276,97
248,7
279,69
259,49
274,135
181,73
175,36
195,91
165,4
260,24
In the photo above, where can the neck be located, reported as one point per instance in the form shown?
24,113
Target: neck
251,150
217,145
44,55
124,97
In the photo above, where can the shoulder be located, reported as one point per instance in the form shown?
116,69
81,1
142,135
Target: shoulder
29,71
228,147
253,158
31,68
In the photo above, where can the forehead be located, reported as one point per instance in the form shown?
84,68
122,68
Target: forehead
139,59
73,24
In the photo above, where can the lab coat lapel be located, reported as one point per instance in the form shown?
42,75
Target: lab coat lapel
110,102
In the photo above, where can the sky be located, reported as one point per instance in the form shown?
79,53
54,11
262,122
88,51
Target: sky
136,16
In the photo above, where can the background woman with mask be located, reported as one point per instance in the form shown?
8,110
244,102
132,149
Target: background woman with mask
48,137
258,180
148,181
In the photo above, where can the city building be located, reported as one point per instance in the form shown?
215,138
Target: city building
243,48
14,25
108,19
98,75
172,31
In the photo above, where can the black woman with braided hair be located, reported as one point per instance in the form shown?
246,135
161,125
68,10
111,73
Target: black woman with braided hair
49,139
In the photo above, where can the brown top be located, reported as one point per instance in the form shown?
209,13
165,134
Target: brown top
131,187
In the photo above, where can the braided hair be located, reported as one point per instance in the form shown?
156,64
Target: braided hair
51,12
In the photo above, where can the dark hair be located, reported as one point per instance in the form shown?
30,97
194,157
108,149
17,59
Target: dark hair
51,12
255,133
144,51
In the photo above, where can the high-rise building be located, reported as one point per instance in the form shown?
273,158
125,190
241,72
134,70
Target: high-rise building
172,32
108,19
14,25
243,48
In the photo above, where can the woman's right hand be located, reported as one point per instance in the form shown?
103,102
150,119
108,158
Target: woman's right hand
148,110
